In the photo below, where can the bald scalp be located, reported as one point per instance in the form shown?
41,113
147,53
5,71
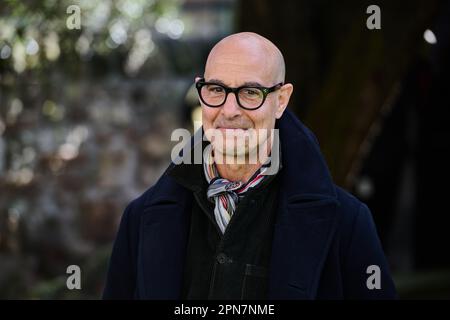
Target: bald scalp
248,42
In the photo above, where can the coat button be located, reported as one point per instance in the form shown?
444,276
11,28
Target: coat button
222,258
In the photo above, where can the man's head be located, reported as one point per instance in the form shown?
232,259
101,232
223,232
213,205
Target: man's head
238,60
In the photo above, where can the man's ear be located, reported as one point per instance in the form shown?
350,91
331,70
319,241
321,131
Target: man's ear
284,95
196,79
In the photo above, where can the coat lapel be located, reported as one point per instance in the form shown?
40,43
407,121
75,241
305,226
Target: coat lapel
165,227
306,217
302,237
163,238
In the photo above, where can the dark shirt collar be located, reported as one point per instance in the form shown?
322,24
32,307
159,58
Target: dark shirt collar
191,176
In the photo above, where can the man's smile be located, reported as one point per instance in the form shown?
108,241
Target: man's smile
231,129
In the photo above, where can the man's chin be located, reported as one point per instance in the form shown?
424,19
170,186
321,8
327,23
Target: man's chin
234,154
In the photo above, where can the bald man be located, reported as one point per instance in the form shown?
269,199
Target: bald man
258,217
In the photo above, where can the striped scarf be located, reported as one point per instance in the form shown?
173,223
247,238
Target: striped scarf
225,194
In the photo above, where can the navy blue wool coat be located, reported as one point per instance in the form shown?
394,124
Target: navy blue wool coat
324,241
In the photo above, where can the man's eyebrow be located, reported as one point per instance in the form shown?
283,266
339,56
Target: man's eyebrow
217,82
245,84
252,84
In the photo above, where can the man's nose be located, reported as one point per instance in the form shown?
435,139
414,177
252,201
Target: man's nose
231,107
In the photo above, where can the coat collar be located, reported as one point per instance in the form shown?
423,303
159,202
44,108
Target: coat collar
306,221
306,175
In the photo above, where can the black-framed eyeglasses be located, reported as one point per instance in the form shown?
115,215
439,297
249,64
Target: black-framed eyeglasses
248,97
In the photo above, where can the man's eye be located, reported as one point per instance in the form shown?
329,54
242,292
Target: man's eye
215,89
251,92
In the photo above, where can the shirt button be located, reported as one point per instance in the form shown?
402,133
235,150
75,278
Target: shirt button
222,258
